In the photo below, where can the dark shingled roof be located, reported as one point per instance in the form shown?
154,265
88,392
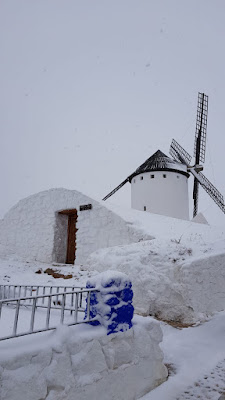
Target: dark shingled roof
159,162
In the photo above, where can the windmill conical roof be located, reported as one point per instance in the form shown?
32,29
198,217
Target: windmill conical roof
160,162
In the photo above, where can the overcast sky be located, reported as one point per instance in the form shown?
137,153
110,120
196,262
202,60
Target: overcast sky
90,89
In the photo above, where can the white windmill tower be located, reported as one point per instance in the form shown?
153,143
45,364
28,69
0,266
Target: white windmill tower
160,184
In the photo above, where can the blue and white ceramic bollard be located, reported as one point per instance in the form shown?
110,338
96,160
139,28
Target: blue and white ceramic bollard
112,305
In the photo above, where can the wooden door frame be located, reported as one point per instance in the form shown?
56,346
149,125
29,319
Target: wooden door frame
71,234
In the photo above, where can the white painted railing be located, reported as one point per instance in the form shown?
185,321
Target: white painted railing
59,300
15,291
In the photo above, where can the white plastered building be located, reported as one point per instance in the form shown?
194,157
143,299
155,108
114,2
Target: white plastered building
63,226
66,226
160,186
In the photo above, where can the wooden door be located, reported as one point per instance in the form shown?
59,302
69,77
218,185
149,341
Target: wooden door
71,239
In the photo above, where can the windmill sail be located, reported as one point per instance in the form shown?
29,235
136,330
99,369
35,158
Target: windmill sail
201,127
160,162
210,189
115,190
195,197
179,154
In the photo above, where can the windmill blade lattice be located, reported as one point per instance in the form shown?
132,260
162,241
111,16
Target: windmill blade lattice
210,189
195,197
179,154
115,190
201,127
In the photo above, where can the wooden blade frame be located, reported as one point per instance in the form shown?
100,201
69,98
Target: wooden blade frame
201,127
195,197
210,189
115,190
179,154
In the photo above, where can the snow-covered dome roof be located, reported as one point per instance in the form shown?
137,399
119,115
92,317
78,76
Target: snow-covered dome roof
160,162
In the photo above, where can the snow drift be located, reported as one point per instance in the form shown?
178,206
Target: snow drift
173,280
82,362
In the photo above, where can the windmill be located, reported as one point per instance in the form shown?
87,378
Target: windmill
181,155
170,196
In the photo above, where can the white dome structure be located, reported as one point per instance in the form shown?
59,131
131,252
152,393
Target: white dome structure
160,186
62,226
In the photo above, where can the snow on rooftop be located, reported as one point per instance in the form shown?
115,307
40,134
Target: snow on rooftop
157,162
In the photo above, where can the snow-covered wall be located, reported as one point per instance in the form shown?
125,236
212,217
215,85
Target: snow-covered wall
83,363
173,280
34,230
203,281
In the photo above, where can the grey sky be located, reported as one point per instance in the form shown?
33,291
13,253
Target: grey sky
90,89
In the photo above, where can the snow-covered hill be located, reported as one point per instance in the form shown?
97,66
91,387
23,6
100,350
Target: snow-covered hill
179,275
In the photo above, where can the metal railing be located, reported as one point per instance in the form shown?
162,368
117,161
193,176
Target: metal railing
71,302
15,291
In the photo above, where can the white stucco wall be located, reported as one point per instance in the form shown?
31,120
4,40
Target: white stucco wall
83,363
166,196
32,229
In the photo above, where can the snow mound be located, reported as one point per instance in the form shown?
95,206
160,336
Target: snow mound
173,280
200,219
82,362
111,281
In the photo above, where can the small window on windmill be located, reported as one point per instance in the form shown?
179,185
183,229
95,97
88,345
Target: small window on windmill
178,177
144,208
164,175
134,181
141,178
152,176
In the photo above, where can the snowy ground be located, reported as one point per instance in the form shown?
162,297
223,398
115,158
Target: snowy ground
196,359
17,272
195,355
